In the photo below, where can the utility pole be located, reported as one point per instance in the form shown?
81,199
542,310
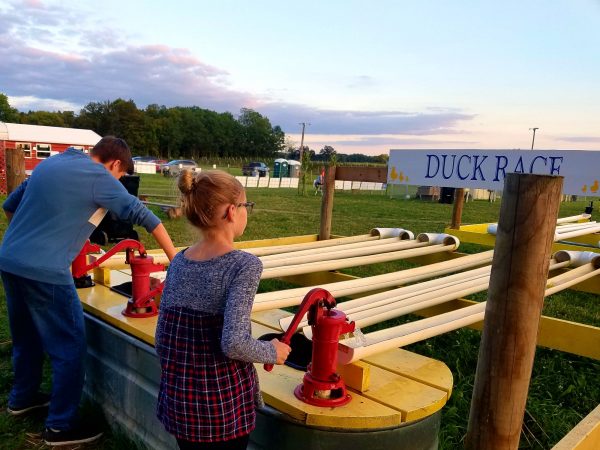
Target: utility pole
302,174
302,139
532,141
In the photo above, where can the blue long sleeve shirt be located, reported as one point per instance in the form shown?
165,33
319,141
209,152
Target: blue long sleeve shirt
56,210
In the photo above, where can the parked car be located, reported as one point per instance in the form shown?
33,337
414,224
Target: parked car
174,168
159,164
151,159
256,168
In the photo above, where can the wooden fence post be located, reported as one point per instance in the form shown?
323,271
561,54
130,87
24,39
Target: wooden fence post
15,168
327,203
457,209
515,298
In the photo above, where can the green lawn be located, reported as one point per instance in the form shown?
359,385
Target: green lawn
564,388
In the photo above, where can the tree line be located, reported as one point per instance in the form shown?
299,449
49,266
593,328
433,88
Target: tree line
180,132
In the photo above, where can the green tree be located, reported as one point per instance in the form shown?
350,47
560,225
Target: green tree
45,118
326,153
258,137
7,113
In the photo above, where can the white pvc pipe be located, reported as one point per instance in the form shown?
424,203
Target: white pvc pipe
428,299
263,251
438,238
398,306
577,258
335,254
356,261
493,227
391,311
351,349
392,232
583,232
394,295
317,251
567,283
573,218
409,333
575,226
292,297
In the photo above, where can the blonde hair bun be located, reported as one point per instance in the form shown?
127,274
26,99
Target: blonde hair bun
186,181
204,193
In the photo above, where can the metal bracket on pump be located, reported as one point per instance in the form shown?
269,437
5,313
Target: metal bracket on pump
80,266
321,385
141,303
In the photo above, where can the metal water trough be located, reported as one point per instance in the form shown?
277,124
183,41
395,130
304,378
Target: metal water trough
123,375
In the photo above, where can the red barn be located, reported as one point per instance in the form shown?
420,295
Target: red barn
40,142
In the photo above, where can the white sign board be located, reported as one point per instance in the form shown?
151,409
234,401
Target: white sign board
488,168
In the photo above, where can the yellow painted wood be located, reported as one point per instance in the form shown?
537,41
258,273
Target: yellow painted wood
101,276
107,305
278,391
571,337
477,234
412,398
356,375
277,386
585,435
416,367
270,318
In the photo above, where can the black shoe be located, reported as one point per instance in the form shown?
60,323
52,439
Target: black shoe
78,435
41,400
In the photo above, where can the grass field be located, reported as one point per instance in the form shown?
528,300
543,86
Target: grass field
564,388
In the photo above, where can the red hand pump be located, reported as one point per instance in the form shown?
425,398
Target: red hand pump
321,385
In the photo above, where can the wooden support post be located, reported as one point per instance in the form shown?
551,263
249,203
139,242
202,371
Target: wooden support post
327,203
515,298
15,168
459,201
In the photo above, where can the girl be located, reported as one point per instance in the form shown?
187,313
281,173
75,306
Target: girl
209,388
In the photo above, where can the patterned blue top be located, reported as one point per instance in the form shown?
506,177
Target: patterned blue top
209,387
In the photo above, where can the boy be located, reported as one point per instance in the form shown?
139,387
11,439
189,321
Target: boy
51,215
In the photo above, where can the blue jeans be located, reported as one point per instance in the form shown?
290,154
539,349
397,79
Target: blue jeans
47,318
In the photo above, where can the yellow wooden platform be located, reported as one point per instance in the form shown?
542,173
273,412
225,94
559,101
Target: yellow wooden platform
477,234
403,386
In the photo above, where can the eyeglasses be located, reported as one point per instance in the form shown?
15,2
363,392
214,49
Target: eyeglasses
248,205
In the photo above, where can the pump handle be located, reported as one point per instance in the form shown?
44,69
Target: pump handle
313,299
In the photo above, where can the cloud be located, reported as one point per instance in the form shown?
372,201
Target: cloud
361,81
93,65
30,103
580,139
440,121
395,140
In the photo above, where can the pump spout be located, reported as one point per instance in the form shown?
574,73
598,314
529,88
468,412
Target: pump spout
314,297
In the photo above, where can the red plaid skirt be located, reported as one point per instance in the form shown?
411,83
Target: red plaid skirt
204,396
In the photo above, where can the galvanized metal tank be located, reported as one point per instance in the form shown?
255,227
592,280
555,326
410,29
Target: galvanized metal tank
123,375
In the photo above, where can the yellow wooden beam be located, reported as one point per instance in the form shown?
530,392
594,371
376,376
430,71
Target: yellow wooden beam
477,234
570,337
585,435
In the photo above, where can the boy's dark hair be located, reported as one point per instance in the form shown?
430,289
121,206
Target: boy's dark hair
111,148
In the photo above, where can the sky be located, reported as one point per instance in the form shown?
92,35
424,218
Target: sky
365,77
